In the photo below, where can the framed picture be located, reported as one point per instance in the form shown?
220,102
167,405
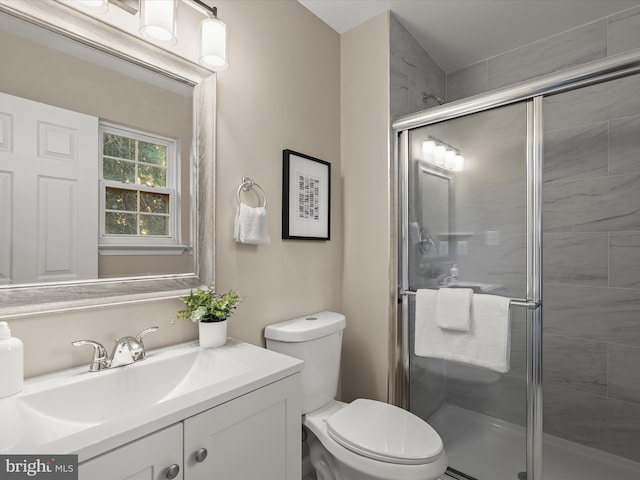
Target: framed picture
306,197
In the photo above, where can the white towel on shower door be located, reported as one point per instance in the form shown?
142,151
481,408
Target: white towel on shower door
453,309
486,344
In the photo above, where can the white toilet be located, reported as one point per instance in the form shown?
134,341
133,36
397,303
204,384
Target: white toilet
362,440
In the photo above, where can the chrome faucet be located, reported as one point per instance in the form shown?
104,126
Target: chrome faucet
126,350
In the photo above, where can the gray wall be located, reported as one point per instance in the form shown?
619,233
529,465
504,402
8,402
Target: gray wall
591,238
413,72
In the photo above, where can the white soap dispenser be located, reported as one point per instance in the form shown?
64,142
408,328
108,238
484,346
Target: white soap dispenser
11,362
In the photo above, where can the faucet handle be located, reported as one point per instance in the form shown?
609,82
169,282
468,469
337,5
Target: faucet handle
140,354
144,332
100,358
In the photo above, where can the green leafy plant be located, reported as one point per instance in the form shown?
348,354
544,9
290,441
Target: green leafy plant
205,305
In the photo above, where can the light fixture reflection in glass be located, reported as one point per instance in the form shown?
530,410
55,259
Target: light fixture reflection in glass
95,6
428,149
158,20
449,159
214,49
458,163
440,155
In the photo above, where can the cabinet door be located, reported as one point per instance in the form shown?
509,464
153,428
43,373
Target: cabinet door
146,459
254,437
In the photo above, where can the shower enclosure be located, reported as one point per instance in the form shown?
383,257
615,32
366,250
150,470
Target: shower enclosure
553,162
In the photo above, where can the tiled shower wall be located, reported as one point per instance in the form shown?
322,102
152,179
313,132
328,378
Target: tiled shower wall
592,266
591,245
413,73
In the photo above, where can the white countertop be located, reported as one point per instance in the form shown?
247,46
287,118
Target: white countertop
112,407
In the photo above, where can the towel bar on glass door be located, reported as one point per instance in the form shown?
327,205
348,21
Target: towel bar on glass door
246,185
516,302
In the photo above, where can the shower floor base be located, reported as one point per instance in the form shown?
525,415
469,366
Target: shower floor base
486,448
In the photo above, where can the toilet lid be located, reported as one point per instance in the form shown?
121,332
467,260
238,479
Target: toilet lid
383,432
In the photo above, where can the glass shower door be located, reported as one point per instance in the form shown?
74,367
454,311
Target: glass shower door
467,228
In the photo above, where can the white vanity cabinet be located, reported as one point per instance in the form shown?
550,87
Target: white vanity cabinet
149,458
255,436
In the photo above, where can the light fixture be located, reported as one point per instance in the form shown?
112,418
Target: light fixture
428,149
442,155
450,159
214,43
158,24
458,164
95,6
158,20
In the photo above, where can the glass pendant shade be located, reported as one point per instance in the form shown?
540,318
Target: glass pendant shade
95,6
440,153
214,50
458,165
449,159
158,19
428,149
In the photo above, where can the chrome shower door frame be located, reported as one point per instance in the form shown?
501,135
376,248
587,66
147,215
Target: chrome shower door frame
532,92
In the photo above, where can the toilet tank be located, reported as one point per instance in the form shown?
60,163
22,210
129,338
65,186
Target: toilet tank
317,340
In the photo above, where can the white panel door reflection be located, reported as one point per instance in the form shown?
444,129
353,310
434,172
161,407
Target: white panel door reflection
50,168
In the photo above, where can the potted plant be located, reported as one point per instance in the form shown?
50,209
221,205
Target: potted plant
211,311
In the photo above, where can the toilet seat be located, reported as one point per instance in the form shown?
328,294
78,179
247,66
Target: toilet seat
384,432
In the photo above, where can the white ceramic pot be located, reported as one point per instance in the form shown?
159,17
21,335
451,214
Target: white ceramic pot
212,334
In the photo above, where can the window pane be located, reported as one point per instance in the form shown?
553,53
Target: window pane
154,202
152,153
152,176
117,146
120,223
118,170
154,225
119,199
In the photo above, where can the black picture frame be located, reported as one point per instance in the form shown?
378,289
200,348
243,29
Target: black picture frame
306,197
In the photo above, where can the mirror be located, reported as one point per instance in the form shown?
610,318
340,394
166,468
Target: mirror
432,209
149,179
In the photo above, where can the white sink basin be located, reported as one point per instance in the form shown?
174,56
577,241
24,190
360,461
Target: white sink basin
100,396
69,411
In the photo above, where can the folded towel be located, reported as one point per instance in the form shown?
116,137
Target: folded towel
251,225
453,308
486,344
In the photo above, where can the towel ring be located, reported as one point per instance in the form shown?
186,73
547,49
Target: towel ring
246,185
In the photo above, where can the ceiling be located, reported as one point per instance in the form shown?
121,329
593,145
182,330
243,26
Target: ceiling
457,33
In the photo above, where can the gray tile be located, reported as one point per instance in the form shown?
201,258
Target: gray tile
484,391
599,314
418,87
595,104
491,191
624,146
624,32
624,375
504,264
592,204
427,386
575,364
609,425
574,47
573,153
408,56
624,259
399,93
576,258
467,81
